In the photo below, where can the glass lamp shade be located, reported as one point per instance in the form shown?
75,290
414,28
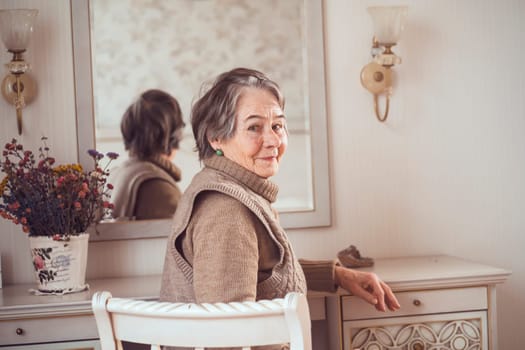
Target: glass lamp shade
388,22
16,27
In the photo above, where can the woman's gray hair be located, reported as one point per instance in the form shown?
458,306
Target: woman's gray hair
213,116
152,125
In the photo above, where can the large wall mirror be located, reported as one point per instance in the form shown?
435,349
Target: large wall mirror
123,47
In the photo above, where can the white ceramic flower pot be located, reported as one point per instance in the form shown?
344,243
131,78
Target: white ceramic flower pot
60,266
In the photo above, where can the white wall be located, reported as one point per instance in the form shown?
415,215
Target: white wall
444,175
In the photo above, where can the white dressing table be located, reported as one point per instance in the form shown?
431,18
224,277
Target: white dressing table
66,322
446,303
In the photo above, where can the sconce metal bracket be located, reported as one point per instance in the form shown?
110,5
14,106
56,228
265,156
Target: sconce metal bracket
9,89
378,80
19,92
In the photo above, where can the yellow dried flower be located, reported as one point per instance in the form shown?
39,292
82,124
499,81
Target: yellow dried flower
61,169
3,184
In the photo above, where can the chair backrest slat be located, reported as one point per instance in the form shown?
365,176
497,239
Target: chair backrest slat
236,324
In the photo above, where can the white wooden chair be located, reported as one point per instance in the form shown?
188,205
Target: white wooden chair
236,324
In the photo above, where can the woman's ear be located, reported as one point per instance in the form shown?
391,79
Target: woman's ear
215,144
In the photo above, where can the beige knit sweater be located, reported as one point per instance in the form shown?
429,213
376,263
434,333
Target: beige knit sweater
227,244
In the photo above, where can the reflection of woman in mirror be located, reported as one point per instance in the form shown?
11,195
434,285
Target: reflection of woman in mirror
227,243
145,185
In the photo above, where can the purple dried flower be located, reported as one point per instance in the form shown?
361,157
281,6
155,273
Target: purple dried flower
112,155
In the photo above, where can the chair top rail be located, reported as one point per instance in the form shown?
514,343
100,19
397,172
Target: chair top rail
202,310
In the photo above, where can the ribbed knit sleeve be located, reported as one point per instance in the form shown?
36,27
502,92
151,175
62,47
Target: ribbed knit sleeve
320,274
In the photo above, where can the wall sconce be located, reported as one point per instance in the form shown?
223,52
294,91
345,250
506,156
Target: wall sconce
18,88
376,77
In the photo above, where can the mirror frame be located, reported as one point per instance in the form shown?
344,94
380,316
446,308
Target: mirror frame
319,216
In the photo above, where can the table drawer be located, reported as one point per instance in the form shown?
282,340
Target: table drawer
457,330
48,329
419,303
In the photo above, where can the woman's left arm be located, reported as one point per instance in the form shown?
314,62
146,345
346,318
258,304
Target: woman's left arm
328,275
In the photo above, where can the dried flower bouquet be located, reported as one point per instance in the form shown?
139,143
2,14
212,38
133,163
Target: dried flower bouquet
50,200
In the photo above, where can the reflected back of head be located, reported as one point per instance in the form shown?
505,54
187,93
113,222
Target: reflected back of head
152,125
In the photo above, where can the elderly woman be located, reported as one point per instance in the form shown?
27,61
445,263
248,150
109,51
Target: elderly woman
145,185
227,243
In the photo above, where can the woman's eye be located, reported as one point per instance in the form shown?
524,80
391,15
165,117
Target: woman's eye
254,127
278,127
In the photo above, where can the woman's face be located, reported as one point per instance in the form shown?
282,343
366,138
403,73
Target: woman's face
260,137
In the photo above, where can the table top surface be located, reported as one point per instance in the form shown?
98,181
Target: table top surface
435,271
403,273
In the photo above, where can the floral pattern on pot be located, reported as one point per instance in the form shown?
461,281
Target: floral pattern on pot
40,255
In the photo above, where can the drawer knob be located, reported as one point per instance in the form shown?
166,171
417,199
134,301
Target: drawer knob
416,302
19,331
418,346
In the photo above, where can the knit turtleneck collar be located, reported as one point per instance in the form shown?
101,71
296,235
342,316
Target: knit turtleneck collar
166,165
259,185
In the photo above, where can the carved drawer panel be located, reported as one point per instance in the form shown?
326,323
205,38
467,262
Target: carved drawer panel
420,303
47,329
455,331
